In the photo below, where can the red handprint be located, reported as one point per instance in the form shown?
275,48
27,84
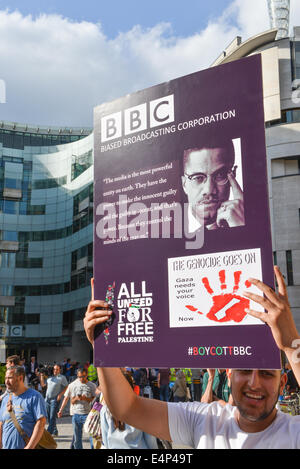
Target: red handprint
226,306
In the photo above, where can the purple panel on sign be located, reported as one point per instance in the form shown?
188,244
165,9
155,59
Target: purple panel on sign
182,221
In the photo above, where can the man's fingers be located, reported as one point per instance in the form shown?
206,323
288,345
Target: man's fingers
268,291
264,302
282,290
96,304
257,314
93,322
100,316
236,189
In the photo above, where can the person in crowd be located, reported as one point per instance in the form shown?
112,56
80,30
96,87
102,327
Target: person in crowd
220,386
197,380
291,385
22,363
81,392
152,377
188,378
35,382
140,379
119,435
30,369
68,368
56,386
214,391
180,389
163,383
12,360
253,422
29,409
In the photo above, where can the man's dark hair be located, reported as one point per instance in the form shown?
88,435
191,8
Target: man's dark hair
19,370
226,145
15,359
82,370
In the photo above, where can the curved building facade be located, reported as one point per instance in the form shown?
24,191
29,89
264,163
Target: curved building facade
46,216
281,81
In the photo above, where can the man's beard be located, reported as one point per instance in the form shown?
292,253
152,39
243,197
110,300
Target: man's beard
261,417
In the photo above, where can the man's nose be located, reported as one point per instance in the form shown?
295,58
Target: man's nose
209,186
254,379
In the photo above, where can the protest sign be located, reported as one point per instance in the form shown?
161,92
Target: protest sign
182,221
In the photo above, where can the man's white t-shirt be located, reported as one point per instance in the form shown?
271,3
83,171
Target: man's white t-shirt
213,426
77,388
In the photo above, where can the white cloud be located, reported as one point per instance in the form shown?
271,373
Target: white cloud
56,70
295,14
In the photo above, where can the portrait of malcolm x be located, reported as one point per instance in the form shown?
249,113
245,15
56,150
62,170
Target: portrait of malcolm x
209,181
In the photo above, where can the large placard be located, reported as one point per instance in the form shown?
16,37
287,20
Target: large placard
182,222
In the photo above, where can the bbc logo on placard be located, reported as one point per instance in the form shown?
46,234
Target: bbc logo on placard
138,118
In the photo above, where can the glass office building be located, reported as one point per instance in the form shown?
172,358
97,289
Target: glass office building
46,216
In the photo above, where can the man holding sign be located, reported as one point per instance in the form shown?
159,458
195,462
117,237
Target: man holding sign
209,174
253,423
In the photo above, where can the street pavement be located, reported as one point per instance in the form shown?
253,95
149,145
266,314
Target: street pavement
65,432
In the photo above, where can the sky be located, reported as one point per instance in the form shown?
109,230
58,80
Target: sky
59,59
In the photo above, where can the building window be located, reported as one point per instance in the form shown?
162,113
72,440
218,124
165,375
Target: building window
8,235
81,163
7,259
19,318
296,60
13,139
289,268
287,117
49,183
6,290
68,320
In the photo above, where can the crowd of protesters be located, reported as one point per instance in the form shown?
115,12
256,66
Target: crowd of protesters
59,383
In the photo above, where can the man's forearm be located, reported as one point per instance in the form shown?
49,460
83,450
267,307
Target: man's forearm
64,403
148,415
37,433
114,385
208,394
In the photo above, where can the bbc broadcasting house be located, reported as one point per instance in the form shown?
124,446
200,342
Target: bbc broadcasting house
46,211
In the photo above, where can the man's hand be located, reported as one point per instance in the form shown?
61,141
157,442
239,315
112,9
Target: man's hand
278,316
232,211
96,314
76,399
